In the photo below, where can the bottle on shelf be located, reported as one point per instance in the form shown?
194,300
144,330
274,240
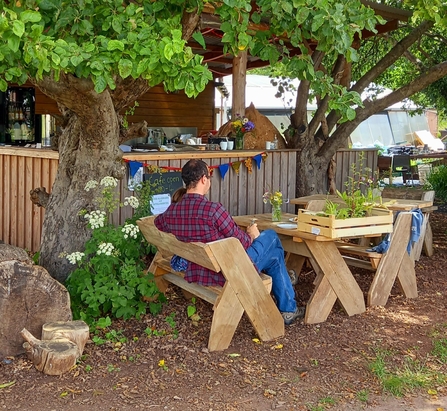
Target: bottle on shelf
274,144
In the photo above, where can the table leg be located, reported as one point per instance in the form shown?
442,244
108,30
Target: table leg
407,277
390,264
336,275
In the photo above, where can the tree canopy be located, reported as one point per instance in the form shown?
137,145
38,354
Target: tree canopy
95,57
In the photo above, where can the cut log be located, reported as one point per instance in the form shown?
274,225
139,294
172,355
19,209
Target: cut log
52,357
11,252
29,298
75,331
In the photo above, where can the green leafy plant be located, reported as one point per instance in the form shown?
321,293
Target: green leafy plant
361,194
192,312
437,180
129,112
111,276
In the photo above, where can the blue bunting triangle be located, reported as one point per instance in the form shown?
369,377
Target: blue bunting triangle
223,168
258,160
134,167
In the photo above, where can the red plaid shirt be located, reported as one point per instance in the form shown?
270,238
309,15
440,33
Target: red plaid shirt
195,219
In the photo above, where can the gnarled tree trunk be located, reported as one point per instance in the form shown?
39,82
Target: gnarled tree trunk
88,149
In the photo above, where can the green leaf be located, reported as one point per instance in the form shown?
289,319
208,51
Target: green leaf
100,84
125,68
168,51
76,60
115,45
13,43
3,85
350,114
197,36
18,28
30,16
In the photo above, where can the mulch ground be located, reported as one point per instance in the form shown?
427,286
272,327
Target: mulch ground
312,368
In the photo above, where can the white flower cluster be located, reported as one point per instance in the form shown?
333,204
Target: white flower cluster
105,248
109,182
130,230
91,185
75,257
132,201
96,218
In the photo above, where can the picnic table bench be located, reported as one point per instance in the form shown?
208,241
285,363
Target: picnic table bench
244,290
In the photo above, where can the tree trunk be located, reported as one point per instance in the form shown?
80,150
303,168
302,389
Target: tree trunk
311,172
88,149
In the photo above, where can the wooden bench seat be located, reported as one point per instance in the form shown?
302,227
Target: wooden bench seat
394,264
206,293
371,258
244,290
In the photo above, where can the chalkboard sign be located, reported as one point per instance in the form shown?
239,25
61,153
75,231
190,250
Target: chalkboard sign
165,183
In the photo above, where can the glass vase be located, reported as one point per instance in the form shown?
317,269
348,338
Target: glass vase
239,141
276,212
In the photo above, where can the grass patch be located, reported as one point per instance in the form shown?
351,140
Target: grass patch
412,373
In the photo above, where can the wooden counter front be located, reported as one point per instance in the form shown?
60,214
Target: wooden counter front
23,169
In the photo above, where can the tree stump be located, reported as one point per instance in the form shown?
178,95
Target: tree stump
75,331
29,298
11,252
52,357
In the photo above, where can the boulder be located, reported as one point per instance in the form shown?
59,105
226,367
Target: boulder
264,131
29,298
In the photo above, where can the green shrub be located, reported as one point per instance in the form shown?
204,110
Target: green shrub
437,180
110,278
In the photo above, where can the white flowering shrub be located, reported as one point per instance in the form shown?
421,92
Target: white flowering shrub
109,277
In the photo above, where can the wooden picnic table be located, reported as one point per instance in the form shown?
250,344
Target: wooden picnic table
334,278
395,204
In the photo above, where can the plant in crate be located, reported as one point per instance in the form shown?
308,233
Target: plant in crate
362,194
110,277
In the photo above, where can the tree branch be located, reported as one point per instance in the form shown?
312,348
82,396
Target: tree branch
398,50
371,107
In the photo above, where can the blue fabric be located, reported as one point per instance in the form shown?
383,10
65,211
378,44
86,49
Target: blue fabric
416,224
267,254
179,263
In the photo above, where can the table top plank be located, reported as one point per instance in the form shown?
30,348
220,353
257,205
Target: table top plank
264,222
395,204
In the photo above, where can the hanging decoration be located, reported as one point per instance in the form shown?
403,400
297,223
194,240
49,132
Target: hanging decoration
134,166
249,164
236,165
223,168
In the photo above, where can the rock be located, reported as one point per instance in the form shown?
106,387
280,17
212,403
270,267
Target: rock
11,252
29,298
264,131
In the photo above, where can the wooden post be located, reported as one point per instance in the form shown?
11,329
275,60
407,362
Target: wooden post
239,83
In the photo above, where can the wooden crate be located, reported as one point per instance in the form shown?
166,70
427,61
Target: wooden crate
381,221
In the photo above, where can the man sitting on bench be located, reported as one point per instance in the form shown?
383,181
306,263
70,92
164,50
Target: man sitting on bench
196,219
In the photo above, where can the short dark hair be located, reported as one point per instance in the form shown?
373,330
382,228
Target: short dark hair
193,171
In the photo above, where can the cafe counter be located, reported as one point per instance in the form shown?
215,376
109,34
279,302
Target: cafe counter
240,179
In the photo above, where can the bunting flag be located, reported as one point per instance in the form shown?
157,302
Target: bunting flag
223,168
258,160
249,164
134,166
236,165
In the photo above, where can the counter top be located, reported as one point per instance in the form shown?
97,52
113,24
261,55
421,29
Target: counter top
134,156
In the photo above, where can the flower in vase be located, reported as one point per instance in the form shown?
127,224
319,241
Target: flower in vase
242,125
273,197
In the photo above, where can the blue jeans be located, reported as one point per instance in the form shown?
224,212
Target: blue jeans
267,254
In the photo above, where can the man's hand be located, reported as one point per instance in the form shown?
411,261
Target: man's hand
252,231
